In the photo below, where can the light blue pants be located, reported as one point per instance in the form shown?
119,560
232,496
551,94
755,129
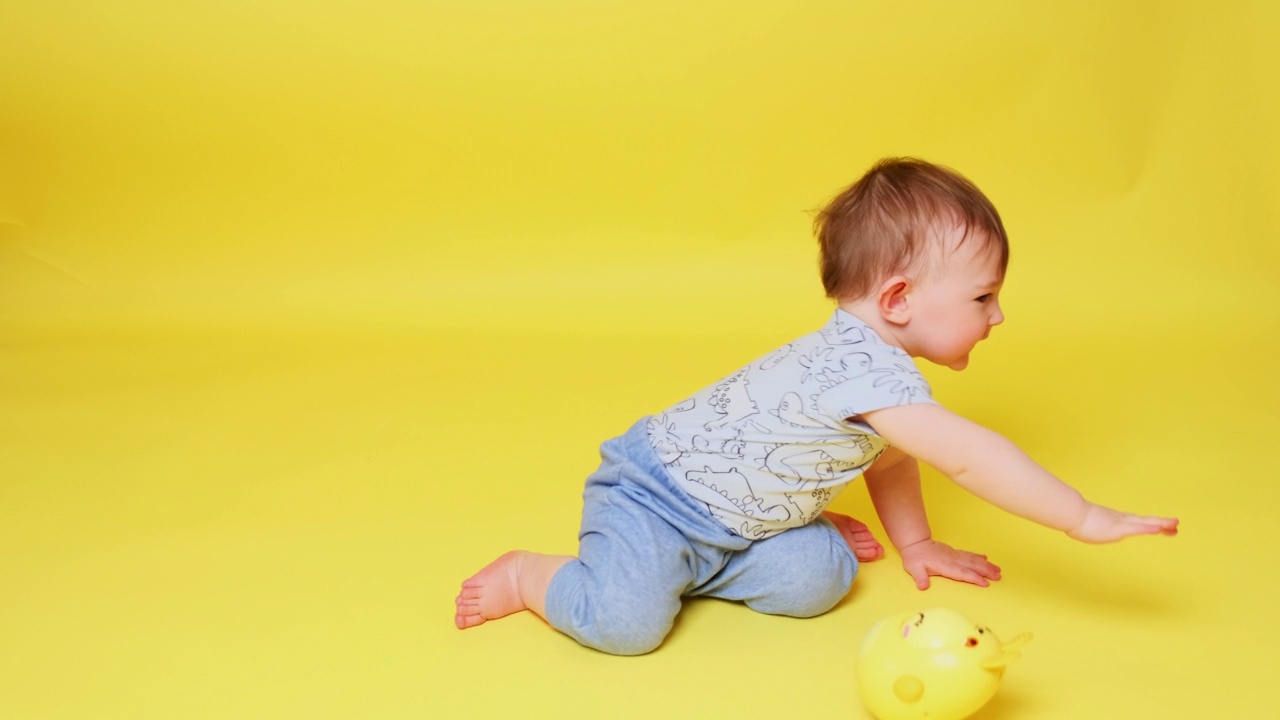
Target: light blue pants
645,544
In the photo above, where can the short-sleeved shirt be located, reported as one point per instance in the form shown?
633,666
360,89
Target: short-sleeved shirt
768,447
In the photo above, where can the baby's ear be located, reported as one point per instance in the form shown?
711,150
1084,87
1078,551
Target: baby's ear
892,300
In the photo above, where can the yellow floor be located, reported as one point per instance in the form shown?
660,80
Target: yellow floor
308,311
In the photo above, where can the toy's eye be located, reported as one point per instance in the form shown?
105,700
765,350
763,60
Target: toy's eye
971,642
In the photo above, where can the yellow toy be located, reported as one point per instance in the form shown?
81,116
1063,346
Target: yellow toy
934,664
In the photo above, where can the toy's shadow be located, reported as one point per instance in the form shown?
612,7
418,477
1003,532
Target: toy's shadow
1005,706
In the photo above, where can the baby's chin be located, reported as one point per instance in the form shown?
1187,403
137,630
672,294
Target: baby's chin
959,363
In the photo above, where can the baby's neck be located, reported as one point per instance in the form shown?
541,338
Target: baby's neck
867,312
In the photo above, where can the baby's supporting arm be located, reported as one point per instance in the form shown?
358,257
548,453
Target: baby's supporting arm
993,468
893,483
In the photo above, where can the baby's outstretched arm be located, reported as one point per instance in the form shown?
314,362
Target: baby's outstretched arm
993,468
1103,525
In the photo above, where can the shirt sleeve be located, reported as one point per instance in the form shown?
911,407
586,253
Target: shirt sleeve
890,381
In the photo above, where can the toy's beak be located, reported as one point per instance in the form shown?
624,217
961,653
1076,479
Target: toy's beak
1018,641
1000,661
1009,653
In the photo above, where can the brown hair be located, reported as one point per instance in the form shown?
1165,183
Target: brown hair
881,224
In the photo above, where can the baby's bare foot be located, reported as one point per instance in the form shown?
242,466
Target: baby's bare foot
492,593
514,582
864,545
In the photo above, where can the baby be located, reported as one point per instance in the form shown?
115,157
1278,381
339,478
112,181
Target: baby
723,494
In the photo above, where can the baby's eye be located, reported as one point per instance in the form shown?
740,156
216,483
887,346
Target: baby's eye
983,298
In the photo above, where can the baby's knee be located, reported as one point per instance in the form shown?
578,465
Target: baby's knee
625,628
629,638
808,589
605,622
820,596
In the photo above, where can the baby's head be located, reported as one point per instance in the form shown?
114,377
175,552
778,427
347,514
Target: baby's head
904,216
919,252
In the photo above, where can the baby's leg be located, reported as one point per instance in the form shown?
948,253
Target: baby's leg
516,581
642,545
623,593
856,534
801,572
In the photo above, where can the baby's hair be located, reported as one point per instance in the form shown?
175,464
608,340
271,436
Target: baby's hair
880,225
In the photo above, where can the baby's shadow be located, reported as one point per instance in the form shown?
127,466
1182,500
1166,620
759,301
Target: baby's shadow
1139,594
849,597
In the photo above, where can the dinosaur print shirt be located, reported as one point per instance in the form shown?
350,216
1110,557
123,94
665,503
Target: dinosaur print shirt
766,448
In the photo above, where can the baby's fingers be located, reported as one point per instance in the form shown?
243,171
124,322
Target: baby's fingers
920,574
964,574
978,563
967,567
1154,525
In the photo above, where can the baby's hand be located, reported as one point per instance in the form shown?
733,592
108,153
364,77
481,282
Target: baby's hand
1103,525
928,557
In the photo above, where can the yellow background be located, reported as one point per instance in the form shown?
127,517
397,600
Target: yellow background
308,310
